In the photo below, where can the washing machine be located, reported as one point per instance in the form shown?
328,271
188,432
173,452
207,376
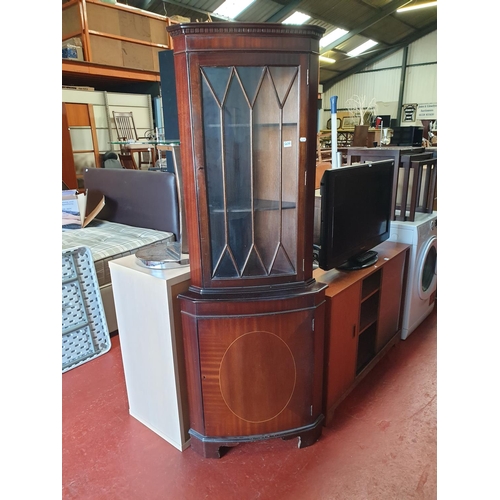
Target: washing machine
421,235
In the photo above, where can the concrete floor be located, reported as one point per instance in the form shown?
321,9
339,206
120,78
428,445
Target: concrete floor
380,445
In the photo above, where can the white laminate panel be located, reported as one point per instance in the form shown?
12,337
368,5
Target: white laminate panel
148,333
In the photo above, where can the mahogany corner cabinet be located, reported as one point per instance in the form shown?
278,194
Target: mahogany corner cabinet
253,317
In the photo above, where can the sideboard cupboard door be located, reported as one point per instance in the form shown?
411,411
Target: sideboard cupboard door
341,345
391,297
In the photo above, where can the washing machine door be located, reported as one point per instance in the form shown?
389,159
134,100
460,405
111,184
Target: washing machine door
427,269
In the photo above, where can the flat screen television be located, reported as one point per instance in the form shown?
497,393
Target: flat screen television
356,214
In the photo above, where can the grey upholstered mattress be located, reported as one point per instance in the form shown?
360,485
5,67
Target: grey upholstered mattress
110,240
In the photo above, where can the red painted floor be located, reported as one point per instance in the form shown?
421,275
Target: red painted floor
380,446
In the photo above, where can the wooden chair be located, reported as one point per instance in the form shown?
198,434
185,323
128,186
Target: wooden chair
416,185
363,154
323,153
320,170
126,131
426,177
127,161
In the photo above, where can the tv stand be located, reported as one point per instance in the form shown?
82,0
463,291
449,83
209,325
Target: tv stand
363,320
362,261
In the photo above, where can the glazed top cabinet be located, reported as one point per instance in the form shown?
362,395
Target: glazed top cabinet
247,117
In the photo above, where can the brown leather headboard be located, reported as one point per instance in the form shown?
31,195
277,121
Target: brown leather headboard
137,198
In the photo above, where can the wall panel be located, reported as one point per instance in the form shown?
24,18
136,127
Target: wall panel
421,84
382,80
423,50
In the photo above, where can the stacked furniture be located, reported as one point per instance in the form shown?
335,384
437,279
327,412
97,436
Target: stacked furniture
415,176
141,208
112,40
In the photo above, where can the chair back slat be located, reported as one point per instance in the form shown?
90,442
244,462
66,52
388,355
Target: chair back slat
125,125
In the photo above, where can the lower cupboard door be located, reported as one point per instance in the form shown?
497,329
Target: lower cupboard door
257,373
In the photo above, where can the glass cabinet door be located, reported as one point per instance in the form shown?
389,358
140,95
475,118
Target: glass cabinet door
250,135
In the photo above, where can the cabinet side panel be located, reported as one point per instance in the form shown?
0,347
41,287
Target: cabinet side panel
319,356
180,359
192,359
147,351
183,84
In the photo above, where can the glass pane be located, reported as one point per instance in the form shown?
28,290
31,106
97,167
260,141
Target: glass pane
283,77
237,170
219,79
213,157
429,269
266,131
250,78
250,117
289,169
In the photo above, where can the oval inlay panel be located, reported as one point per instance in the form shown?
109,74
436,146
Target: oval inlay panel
251,386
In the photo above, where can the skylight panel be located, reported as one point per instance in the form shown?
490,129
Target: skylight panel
328,60
331,37
416,6
296,18
362,48
231,8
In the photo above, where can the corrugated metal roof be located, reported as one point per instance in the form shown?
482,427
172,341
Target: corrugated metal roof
363,19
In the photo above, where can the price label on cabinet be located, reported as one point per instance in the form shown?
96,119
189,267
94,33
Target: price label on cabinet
287,144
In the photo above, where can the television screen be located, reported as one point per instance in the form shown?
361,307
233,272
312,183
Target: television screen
356,214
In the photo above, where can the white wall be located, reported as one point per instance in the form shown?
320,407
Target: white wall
382,79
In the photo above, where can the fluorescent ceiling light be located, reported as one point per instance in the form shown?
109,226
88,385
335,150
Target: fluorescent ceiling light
231,8
326,59
296,18
362,48
417,6
331,37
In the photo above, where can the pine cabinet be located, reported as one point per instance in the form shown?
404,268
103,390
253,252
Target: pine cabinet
253,315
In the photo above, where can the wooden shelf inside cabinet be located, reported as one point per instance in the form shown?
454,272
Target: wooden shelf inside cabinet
368,312
363,319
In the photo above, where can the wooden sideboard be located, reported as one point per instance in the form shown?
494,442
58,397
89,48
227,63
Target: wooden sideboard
364,310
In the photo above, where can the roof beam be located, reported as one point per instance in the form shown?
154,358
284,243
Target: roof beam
356,69
284,11
384,12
